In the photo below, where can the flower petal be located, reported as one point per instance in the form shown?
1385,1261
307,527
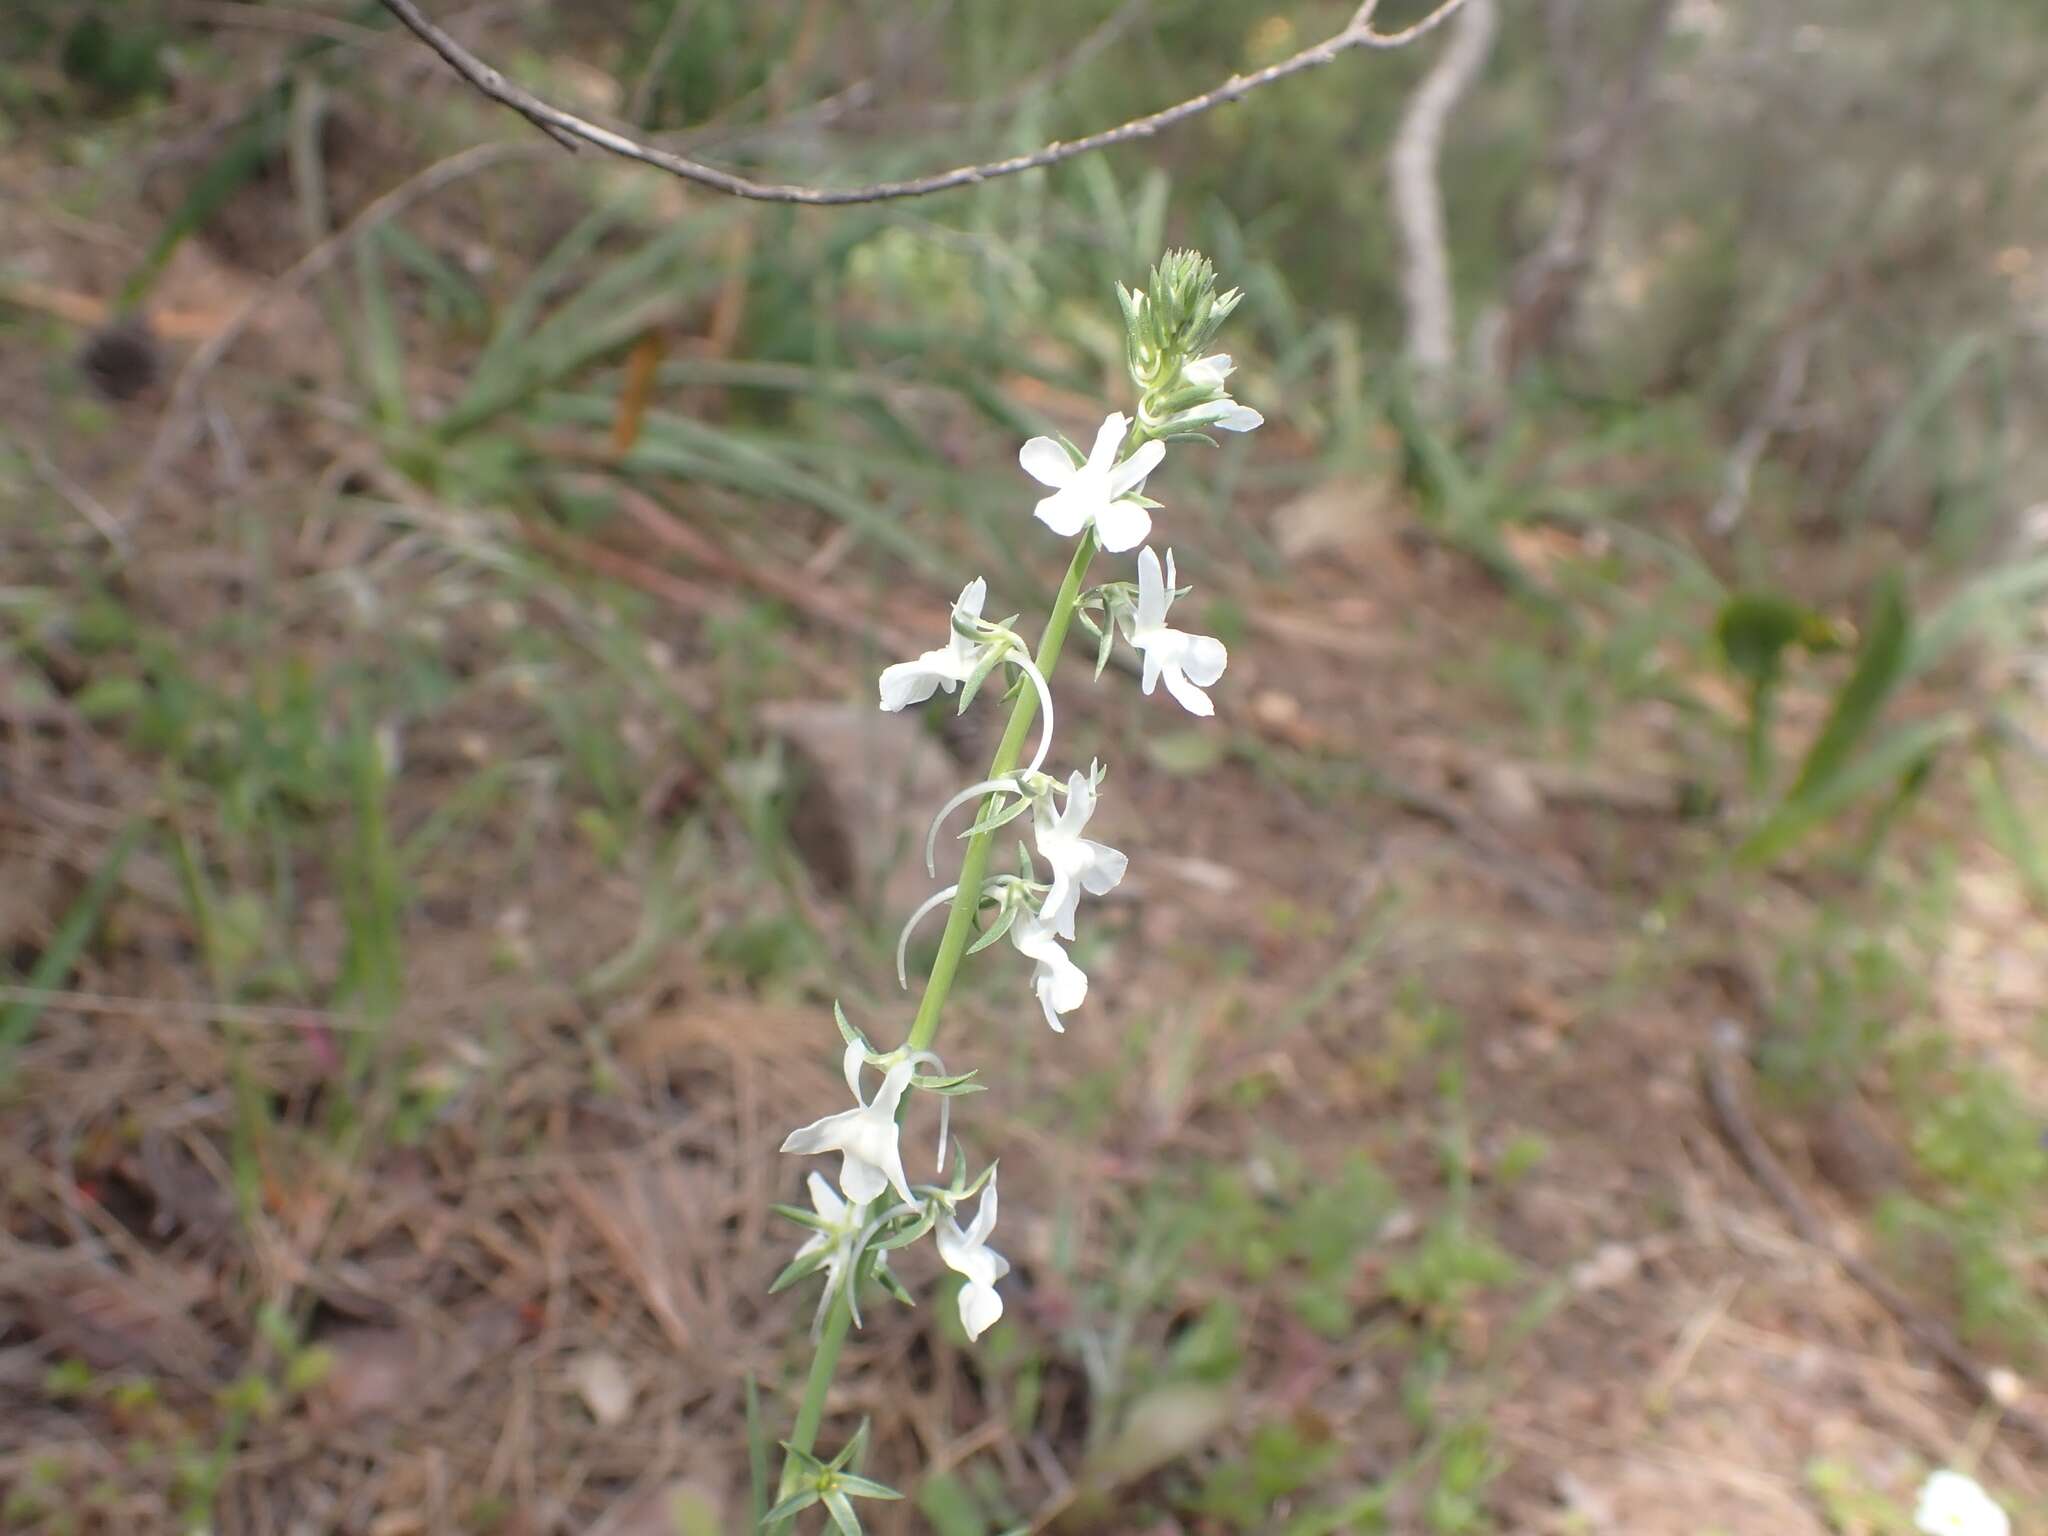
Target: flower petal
1151,592
890,1094
1130,474
1045,461
1065,515
1080,804
968,604
984,1215
824,1198
1122,525
1069,984
980,1306
850,1064
905,683
862,1180
1155,663
1105,867
1239,418
1191,698
1203,658
1108,438
826,1135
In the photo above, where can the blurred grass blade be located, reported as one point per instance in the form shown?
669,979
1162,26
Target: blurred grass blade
1892,758
1995,595
1920,408
54,965
2008,827
380,355
518,316
1880,667
616,307
255,142
757,1456
687,449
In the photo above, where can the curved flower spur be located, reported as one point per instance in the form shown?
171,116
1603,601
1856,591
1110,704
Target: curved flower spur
1097,500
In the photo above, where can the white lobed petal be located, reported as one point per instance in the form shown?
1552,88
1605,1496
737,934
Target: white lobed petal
1122,525
1130,474
968,604
905,683
1045,461
1190,698
1104,869
1152,594
1203,658
980,1306
1108,438
824,1198
1066,513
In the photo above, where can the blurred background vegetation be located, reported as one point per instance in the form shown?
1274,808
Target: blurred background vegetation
443,580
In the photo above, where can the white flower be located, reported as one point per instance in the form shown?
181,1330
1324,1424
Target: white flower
967,1253
1224,414
1189,663
905,683
1097,492
1954,1505
843,1222
866,1137
912,682
1061,985
1078,864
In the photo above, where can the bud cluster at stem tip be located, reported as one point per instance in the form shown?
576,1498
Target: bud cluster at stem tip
1168,327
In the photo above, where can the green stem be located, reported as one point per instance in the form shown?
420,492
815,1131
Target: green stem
974,867
952,945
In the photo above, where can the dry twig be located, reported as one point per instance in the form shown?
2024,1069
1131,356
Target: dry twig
567,129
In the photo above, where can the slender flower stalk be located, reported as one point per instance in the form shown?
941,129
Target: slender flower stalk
1098,501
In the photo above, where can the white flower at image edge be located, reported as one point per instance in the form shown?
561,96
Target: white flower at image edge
1188,663
844,1221
967,1253
912,682
1078,863
866,1138
1954,1505
1096,492
1061,985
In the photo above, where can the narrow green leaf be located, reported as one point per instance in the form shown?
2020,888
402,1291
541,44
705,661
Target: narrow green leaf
1920,408
795,1504
1890,758
1880,665
2008,827
997,929
54,965
381,355
844,1520
757,1454
866,1487
797,1269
